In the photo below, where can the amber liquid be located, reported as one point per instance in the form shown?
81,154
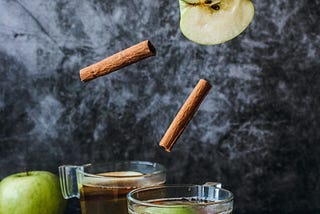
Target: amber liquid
103,200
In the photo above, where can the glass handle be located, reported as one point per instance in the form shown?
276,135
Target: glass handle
213,190
68,181
213,184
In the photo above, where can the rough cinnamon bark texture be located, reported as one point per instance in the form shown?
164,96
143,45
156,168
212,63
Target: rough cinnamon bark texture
119,60
185,114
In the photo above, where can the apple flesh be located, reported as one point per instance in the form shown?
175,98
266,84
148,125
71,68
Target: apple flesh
34,192
210,22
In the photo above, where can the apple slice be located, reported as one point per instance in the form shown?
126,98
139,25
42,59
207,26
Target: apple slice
169,210
210,22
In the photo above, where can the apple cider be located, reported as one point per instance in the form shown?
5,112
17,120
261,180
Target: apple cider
106,192
102,200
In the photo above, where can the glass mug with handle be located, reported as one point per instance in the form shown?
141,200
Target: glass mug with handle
209,198
102,188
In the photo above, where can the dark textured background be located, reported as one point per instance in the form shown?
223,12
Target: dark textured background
257,131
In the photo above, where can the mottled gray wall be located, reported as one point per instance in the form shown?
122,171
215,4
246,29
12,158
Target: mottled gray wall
257,131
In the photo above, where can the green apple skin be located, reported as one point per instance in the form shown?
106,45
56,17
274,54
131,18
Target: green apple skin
34,192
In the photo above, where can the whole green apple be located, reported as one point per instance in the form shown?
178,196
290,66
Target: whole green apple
34,192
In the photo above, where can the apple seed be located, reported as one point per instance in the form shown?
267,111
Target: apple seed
215,7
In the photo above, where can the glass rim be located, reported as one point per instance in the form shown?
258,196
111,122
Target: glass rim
143,203
160,169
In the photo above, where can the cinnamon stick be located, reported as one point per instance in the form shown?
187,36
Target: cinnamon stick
185,114
119,60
